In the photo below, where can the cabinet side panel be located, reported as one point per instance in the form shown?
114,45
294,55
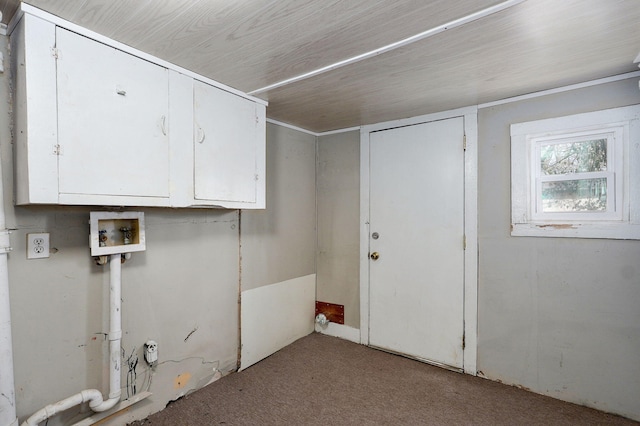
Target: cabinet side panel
180,139
18,89
261,157
35,124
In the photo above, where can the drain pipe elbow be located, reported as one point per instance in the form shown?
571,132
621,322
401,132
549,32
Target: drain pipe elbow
104,405
92,396
53,409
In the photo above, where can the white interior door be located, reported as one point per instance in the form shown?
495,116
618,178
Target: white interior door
416,286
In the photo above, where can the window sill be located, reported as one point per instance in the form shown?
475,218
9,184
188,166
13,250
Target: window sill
610,230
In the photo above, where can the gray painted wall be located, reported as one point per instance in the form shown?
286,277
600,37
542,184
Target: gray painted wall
338,223
279,243
186,280
559,316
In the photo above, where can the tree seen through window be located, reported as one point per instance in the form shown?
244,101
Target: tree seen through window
579,159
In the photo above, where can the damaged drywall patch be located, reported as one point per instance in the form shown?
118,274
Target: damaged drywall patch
181,381
183,376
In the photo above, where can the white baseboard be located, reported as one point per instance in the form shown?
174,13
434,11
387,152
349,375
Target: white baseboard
341,331
274,316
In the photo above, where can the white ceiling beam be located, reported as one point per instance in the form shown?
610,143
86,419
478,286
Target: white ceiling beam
393,46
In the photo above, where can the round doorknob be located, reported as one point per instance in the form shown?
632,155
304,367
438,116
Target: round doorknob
375,255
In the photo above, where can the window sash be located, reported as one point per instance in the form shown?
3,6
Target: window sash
612,212
609,213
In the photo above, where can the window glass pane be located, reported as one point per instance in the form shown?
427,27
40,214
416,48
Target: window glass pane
580,195
574,157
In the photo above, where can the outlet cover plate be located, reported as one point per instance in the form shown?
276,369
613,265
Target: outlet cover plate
38,245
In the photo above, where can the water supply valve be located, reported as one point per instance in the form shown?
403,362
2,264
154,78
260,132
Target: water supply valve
127,235
102,238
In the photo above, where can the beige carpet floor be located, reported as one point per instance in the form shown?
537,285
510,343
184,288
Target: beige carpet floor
321,380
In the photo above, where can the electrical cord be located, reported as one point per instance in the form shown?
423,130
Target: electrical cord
132,375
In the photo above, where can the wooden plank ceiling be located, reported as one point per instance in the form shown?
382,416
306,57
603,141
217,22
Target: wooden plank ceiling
533,45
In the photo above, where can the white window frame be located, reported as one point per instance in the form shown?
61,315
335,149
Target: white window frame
621,128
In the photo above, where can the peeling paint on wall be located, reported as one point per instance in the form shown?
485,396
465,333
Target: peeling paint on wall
555,226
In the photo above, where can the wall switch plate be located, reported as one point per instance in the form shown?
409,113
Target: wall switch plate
37,246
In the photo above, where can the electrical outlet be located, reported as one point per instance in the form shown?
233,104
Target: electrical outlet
37,246
151,352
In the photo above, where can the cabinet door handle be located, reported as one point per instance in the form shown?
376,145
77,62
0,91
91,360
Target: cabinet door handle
163,125
201,135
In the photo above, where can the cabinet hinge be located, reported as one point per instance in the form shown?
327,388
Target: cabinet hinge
463,342
464,142
55,53
57,150
464,242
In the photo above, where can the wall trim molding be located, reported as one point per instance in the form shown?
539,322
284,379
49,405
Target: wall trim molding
611,79
292,127
561,89
345,130
341,331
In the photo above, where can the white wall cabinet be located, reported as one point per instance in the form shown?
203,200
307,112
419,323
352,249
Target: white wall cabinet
95,125
227,149
112,121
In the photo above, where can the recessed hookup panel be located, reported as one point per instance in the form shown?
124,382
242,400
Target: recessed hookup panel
116,232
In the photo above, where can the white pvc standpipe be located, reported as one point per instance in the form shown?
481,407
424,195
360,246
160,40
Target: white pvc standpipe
115,333
7,387
115,328
93,396
7,390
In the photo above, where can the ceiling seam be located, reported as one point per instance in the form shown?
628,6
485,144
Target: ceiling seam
393,46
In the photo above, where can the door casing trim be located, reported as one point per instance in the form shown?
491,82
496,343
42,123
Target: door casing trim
470,115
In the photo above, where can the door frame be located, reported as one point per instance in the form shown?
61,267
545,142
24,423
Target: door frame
470,302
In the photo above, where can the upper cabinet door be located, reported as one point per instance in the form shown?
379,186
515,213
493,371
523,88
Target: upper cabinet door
226,147
112,121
